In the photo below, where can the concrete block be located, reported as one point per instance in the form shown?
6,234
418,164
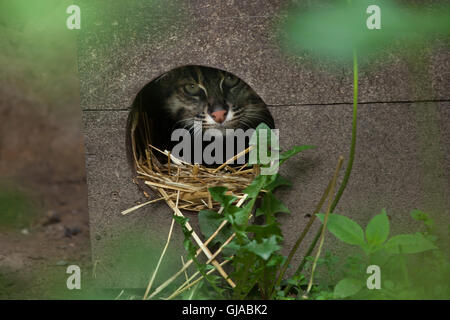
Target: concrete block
402,158
388,173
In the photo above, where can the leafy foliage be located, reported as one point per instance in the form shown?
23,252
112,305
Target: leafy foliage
255,247
257,261
409,243
401,258
347,287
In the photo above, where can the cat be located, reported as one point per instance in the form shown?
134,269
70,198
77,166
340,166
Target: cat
191,95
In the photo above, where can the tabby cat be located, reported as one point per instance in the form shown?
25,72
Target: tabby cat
215,98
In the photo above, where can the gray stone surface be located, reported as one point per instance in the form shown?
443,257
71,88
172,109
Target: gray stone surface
403,151
125,56
110,191
388,173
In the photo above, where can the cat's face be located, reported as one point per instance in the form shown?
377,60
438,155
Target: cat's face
216,98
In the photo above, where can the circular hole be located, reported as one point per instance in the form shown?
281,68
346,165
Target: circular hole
186,99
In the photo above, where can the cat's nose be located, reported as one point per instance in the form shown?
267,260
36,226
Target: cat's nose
219,116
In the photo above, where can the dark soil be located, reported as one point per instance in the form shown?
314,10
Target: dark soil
43,195
42,157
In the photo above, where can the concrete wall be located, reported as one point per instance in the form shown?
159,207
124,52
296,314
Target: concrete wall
402,158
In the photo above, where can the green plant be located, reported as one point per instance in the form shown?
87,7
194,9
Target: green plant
253,248
412,265
256,247
406,261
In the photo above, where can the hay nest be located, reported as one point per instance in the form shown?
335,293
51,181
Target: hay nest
177,176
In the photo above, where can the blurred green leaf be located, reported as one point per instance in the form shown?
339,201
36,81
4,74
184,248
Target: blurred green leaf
409,243
347,287
422,216
209,221
336,28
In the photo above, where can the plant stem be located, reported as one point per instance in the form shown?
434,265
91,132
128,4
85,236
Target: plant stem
348,169
319,206
194,282
303,234
322,235
162,255
238,290
351,156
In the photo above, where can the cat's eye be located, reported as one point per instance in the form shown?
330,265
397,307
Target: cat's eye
231,81
192,88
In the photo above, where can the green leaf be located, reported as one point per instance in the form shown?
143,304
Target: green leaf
377,230
423,217
271,206
347,287
278,181
263,143
408,243
264,231
218,194
276,260
187,243
293,151
209,221
418,215
297,280
265,248
255,187
256,135
240,215
345,229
